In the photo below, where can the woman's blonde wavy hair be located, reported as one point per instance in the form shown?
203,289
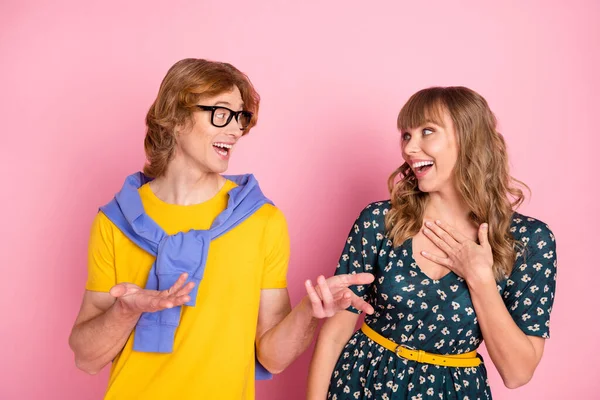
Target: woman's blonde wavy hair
186,82
481,172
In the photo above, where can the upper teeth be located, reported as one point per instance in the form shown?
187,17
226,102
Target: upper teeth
422,164
223,145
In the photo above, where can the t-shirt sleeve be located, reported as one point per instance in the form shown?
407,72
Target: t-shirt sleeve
529,291
277,254
101,255
361,249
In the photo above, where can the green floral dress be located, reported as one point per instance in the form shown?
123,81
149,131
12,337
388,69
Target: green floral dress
436,316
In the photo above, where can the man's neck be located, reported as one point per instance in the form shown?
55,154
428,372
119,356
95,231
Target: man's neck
184,185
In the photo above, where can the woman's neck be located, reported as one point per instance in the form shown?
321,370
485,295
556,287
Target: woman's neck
449,207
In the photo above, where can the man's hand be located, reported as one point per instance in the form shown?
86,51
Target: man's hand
134,300
332,294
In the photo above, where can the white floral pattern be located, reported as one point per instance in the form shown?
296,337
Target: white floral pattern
436,316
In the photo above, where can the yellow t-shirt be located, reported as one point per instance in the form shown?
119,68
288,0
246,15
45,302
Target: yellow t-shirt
213,356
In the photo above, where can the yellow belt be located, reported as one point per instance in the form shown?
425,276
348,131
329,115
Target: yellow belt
469,359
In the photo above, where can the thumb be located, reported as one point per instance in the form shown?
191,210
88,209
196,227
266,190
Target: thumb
122,289
346,299
483,235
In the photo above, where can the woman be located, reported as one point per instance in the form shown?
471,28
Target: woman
454,265
187,267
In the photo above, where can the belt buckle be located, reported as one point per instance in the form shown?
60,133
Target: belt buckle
407,347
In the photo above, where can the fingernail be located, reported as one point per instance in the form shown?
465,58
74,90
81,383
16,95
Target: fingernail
484,226
437,221
424,253
425,230
428,223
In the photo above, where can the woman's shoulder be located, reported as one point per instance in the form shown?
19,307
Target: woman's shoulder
375,211
523,226
535,235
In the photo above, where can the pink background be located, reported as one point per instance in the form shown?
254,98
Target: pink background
77,78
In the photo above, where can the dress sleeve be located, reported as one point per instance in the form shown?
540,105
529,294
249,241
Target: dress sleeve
361,249
529,291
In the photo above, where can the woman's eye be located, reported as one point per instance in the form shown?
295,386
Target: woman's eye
406,136
427,131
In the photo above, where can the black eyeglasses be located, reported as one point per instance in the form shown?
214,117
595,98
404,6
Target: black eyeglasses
222,116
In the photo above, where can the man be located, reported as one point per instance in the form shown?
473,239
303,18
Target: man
187,268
